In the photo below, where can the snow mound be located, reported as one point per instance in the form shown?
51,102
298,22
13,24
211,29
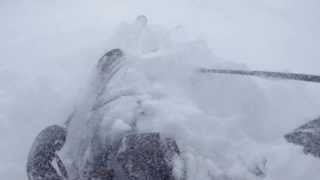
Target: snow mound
218,121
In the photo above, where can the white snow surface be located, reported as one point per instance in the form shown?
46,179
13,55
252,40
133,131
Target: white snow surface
227,127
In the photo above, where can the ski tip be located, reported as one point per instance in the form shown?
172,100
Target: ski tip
114,52
109,59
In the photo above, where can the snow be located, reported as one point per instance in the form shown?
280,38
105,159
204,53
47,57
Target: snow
227,127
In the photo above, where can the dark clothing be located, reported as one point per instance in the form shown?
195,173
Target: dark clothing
307,136
141,156
43,152
146,156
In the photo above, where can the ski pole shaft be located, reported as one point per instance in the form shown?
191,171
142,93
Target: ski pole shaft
266,74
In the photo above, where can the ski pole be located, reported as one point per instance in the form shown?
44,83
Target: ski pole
265,74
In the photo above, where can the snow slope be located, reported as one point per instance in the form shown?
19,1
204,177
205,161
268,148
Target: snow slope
227,127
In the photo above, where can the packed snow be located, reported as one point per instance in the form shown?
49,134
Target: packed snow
227,127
